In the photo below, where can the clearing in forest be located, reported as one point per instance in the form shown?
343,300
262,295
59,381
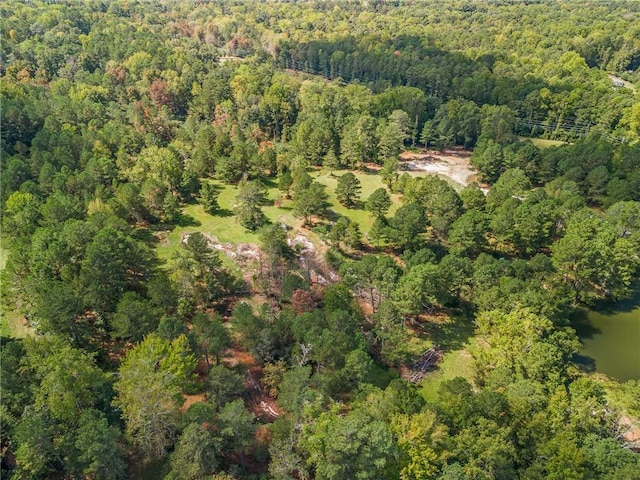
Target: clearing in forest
453,164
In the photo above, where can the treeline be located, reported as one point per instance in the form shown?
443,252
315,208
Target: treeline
543,107
116,116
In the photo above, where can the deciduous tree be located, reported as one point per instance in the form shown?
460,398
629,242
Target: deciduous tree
152,377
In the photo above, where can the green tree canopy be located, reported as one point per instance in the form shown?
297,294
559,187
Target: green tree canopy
348,189
149,391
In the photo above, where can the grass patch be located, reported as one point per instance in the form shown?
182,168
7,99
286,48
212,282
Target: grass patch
454,334
543,142
223,224
370,183
11,324
226,229
456,363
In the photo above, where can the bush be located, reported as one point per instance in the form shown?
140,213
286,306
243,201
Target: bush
334,257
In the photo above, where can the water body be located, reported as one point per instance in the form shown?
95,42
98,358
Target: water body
611,339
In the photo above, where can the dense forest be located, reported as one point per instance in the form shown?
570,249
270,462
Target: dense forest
216,263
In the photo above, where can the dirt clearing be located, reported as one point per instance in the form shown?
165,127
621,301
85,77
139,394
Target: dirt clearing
454,164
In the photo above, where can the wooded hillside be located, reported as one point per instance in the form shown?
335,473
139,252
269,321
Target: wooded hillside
219,263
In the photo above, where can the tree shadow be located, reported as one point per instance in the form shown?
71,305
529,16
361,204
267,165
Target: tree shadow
622,306
223,212
269,182
584,363
454,333
583,325
151,234
366,170
331,215
185,220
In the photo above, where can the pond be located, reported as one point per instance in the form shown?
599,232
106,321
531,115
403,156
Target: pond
611,339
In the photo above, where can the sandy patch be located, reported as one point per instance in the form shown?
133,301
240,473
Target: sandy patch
191,399
242,252
454,164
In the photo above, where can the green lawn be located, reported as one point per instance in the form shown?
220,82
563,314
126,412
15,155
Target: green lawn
370,183
455,336
456,363
11,324
223,224
543,142
224,227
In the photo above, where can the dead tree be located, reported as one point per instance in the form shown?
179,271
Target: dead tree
427,361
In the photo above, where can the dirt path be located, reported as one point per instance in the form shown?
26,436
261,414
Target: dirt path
454,164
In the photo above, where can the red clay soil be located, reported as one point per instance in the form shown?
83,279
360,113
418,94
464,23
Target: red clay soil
256,400
191,399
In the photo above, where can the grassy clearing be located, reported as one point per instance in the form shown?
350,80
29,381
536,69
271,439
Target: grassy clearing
11,324
223,224
226,229
454,334
370,183
543,142
456,363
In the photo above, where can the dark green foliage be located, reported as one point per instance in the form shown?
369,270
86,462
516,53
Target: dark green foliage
134,318
99,447
196,453
407,223
199,273
378,203
236,428
209,198
345,232
171,328
467,233
114,113
251,329
223,385
355,445
211,336
247,208
348,189
593,259
472,197
310,201
35,449
113,263
441,202
16,380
